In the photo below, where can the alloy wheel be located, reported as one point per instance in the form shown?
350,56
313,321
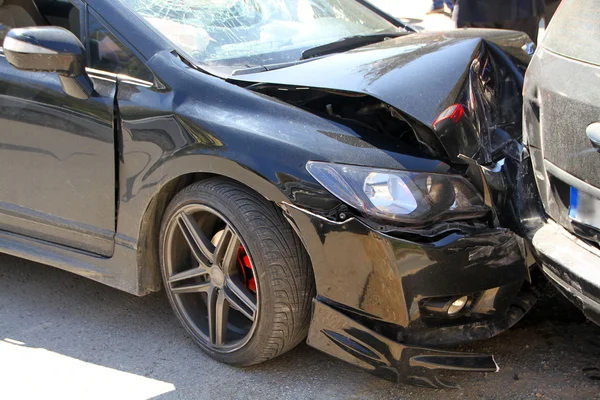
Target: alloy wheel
210,277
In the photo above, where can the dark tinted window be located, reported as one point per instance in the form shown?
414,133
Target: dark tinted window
575,31
60,13
107,53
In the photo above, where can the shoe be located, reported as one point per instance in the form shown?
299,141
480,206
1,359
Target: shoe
439,10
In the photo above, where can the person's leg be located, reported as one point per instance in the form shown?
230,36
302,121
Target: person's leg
450,4
437,6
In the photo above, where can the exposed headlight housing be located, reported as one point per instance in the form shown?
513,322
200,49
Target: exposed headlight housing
401,196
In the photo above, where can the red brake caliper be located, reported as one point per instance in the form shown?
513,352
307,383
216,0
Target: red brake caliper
246,267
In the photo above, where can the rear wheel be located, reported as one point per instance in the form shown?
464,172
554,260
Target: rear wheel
235,273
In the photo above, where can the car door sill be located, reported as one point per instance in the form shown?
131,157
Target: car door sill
48,253
56,230
118,271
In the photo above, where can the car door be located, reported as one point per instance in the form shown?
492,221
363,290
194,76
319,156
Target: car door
57,159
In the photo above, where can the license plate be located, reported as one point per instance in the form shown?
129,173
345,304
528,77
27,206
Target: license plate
584,208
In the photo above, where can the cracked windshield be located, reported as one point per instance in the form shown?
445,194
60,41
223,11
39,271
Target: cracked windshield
248,33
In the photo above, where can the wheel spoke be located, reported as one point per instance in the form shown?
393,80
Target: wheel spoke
226,252
222,311
200,246
212,277
218,310
241,299
195,288
190,273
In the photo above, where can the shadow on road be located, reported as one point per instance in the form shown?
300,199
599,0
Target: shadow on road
553,352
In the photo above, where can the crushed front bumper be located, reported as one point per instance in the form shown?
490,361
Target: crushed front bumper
373,290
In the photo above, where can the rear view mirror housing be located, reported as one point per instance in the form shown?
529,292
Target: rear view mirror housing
50,49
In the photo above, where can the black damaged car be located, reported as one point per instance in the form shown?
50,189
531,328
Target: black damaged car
283,169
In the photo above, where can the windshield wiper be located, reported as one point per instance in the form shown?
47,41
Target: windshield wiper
267,67
348,43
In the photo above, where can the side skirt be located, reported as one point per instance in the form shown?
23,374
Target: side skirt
120,271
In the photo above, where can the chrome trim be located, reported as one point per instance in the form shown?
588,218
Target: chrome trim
571,180
284,204
109,76
113,77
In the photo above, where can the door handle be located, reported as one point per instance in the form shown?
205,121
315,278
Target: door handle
593,133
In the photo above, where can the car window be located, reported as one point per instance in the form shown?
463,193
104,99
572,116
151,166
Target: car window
244,33
63,13
575,31
107,53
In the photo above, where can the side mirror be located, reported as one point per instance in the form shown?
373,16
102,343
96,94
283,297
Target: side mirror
50,49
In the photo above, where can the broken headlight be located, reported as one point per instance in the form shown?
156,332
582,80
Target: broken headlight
401,196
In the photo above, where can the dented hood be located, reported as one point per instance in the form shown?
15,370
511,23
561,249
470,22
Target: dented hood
420,74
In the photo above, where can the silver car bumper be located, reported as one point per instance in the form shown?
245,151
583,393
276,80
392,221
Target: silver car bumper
572,264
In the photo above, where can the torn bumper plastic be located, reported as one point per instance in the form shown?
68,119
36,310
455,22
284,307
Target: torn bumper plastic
340,336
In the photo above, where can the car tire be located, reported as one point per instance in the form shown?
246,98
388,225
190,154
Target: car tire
277,261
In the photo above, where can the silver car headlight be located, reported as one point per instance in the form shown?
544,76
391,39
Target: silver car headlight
402,196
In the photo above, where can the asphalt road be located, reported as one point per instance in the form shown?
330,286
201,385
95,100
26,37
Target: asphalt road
65,337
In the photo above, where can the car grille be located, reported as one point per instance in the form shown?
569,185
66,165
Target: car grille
565,142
